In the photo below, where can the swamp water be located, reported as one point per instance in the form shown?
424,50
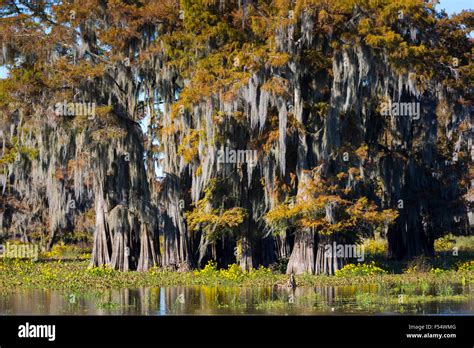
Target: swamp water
205,300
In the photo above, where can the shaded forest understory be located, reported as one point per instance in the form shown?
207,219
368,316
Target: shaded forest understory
168,135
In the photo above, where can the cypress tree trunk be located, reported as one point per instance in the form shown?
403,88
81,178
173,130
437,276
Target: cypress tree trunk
123,206
302,259
282,246
176,253
327,260
149,250
120,229
51,237
246,257
303,255
171,256
101,248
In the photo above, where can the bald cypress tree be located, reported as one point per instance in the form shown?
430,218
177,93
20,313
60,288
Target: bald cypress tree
243,106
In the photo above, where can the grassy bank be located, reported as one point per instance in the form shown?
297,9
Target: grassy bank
65,268
74,275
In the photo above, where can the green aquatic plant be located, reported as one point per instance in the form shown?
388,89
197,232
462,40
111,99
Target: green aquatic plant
76,276
467,266
100,271
233,273
363,269
445,243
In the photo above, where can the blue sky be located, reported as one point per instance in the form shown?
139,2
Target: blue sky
451,6
455,6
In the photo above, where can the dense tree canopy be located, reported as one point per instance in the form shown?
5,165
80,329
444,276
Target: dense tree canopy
301,84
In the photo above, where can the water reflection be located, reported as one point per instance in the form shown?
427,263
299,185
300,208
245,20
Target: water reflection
203,300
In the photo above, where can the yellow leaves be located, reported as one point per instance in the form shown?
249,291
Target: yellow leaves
214,221
189,145
199,170
216,73
278,59
393,12
179,108
389,216
323,16
14,151
233,217
354,171
417,51
103,110
21,85
64,73
364,27
306,213
321,109
278,86
197,218
362,152
383,31
168,130
310,211
367,212
118,38
341,176
280,213
377,246
271,139
405,51
386,38
358,208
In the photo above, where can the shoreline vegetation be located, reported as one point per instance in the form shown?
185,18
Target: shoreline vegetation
76,276
369,287
66,267
362,288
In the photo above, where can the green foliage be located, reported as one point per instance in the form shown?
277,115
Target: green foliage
80,237
419,264
360,270
375,247
16,152
465,243
24,274
61,251
437,270
102,271
233,273
467,266
445,244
